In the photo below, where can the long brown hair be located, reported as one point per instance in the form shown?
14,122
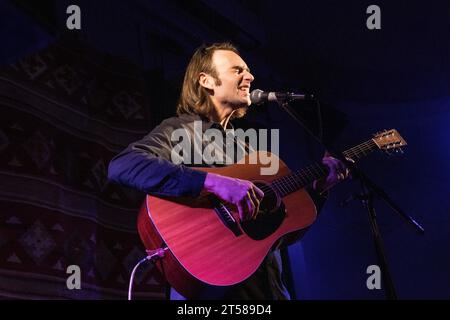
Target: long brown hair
194,99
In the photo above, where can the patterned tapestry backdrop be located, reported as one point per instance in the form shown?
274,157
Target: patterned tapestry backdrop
65,112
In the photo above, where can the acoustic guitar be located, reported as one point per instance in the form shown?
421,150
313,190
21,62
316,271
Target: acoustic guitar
206,242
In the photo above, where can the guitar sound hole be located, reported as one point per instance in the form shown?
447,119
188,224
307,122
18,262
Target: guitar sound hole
270,216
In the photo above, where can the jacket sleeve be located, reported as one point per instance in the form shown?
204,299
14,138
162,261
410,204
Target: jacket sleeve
145,165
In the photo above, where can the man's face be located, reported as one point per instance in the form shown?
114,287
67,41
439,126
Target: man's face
235,77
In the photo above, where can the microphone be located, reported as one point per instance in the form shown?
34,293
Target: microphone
258,96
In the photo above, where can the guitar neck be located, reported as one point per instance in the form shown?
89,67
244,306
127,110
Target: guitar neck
301,178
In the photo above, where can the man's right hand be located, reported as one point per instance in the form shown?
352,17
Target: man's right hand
242,193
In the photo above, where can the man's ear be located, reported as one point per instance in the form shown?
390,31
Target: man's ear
206,81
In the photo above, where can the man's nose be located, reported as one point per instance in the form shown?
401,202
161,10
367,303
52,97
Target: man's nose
248,76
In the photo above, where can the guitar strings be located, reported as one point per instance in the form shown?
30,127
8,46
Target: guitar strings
302,177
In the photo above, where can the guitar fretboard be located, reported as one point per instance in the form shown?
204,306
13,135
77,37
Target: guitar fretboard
301,178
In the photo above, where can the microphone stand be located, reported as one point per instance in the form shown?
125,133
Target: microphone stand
369,191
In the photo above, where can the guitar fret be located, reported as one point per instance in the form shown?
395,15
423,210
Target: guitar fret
279,187
295,182
285,187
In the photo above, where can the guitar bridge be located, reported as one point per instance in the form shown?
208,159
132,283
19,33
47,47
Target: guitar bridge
226,216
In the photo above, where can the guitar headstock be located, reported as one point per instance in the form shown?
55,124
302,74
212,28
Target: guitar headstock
389,140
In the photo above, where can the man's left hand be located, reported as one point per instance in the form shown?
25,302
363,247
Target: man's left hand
337,173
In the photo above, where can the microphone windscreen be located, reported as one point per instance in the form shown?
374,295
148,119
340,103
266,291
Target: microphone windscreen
257,96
